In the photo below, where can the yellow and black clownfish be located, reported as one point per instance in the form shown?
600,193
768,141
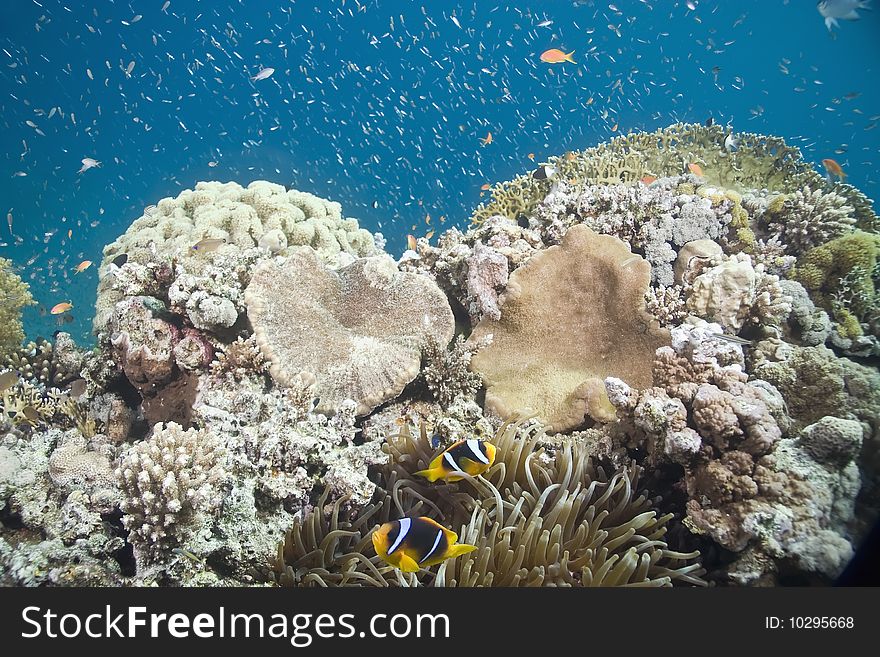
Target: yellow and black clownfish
411,544
471,457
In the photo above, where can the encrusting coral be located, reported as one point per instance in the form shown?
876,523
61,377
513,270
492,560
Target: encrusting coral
574,314
358,330
840,277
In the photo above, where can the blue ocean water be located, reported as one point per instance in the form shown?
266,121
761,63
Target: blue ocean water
382,104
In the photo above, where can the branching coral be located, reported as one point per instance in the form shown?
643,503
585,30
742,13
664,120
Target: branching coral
14,295
572,316
666,304
806,218
170,481
239,359
358,330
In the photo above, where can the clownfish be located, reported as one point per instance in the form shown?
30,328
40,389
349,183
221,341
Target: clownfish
470,457
411,544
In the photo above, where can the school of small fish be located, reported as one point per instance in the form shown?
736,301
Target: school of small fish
400,112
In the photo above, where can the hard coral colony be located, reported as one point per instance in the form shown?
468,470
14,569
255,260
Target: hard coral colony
649,365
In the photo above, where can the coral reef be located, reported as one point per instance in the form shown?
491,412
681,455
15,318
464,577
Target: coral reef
760,161
561,331
781,495
670,339
358,330
59,499
447,371
840,277
44,362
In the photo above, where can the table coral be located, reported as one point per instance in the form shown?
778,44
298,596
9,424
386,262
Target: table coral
760,161
359,330
571,316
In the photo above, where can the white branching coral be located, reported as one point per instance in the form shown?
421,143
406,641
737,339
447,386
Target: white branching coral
239,359
807,218
169,481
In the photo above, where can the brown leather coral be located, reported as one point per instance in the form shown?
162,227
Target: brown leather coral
358,330
574,314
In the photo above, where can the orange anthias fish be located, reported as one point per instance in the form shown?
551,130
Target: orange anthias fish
485,187
531,156
62,307
833,168
81,267
647,180
487,140
696,169
556,56
411,243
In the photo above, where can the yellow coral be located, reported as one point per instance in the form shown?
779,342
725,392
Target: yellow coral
14,295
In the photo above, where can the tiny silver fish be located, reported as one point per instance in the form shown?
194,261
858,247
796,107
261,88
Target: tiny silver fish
263,74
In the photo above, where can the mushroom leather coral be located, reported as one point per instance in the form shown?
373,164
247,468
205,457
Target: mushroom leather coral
574,314
359,330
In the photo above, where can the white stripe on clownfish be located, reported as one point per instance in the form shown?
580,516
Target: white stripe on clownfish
433,547
474,446
451,461
405,524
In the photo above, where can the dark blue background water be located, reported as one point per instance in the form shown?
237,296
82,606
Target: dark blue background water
382,103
